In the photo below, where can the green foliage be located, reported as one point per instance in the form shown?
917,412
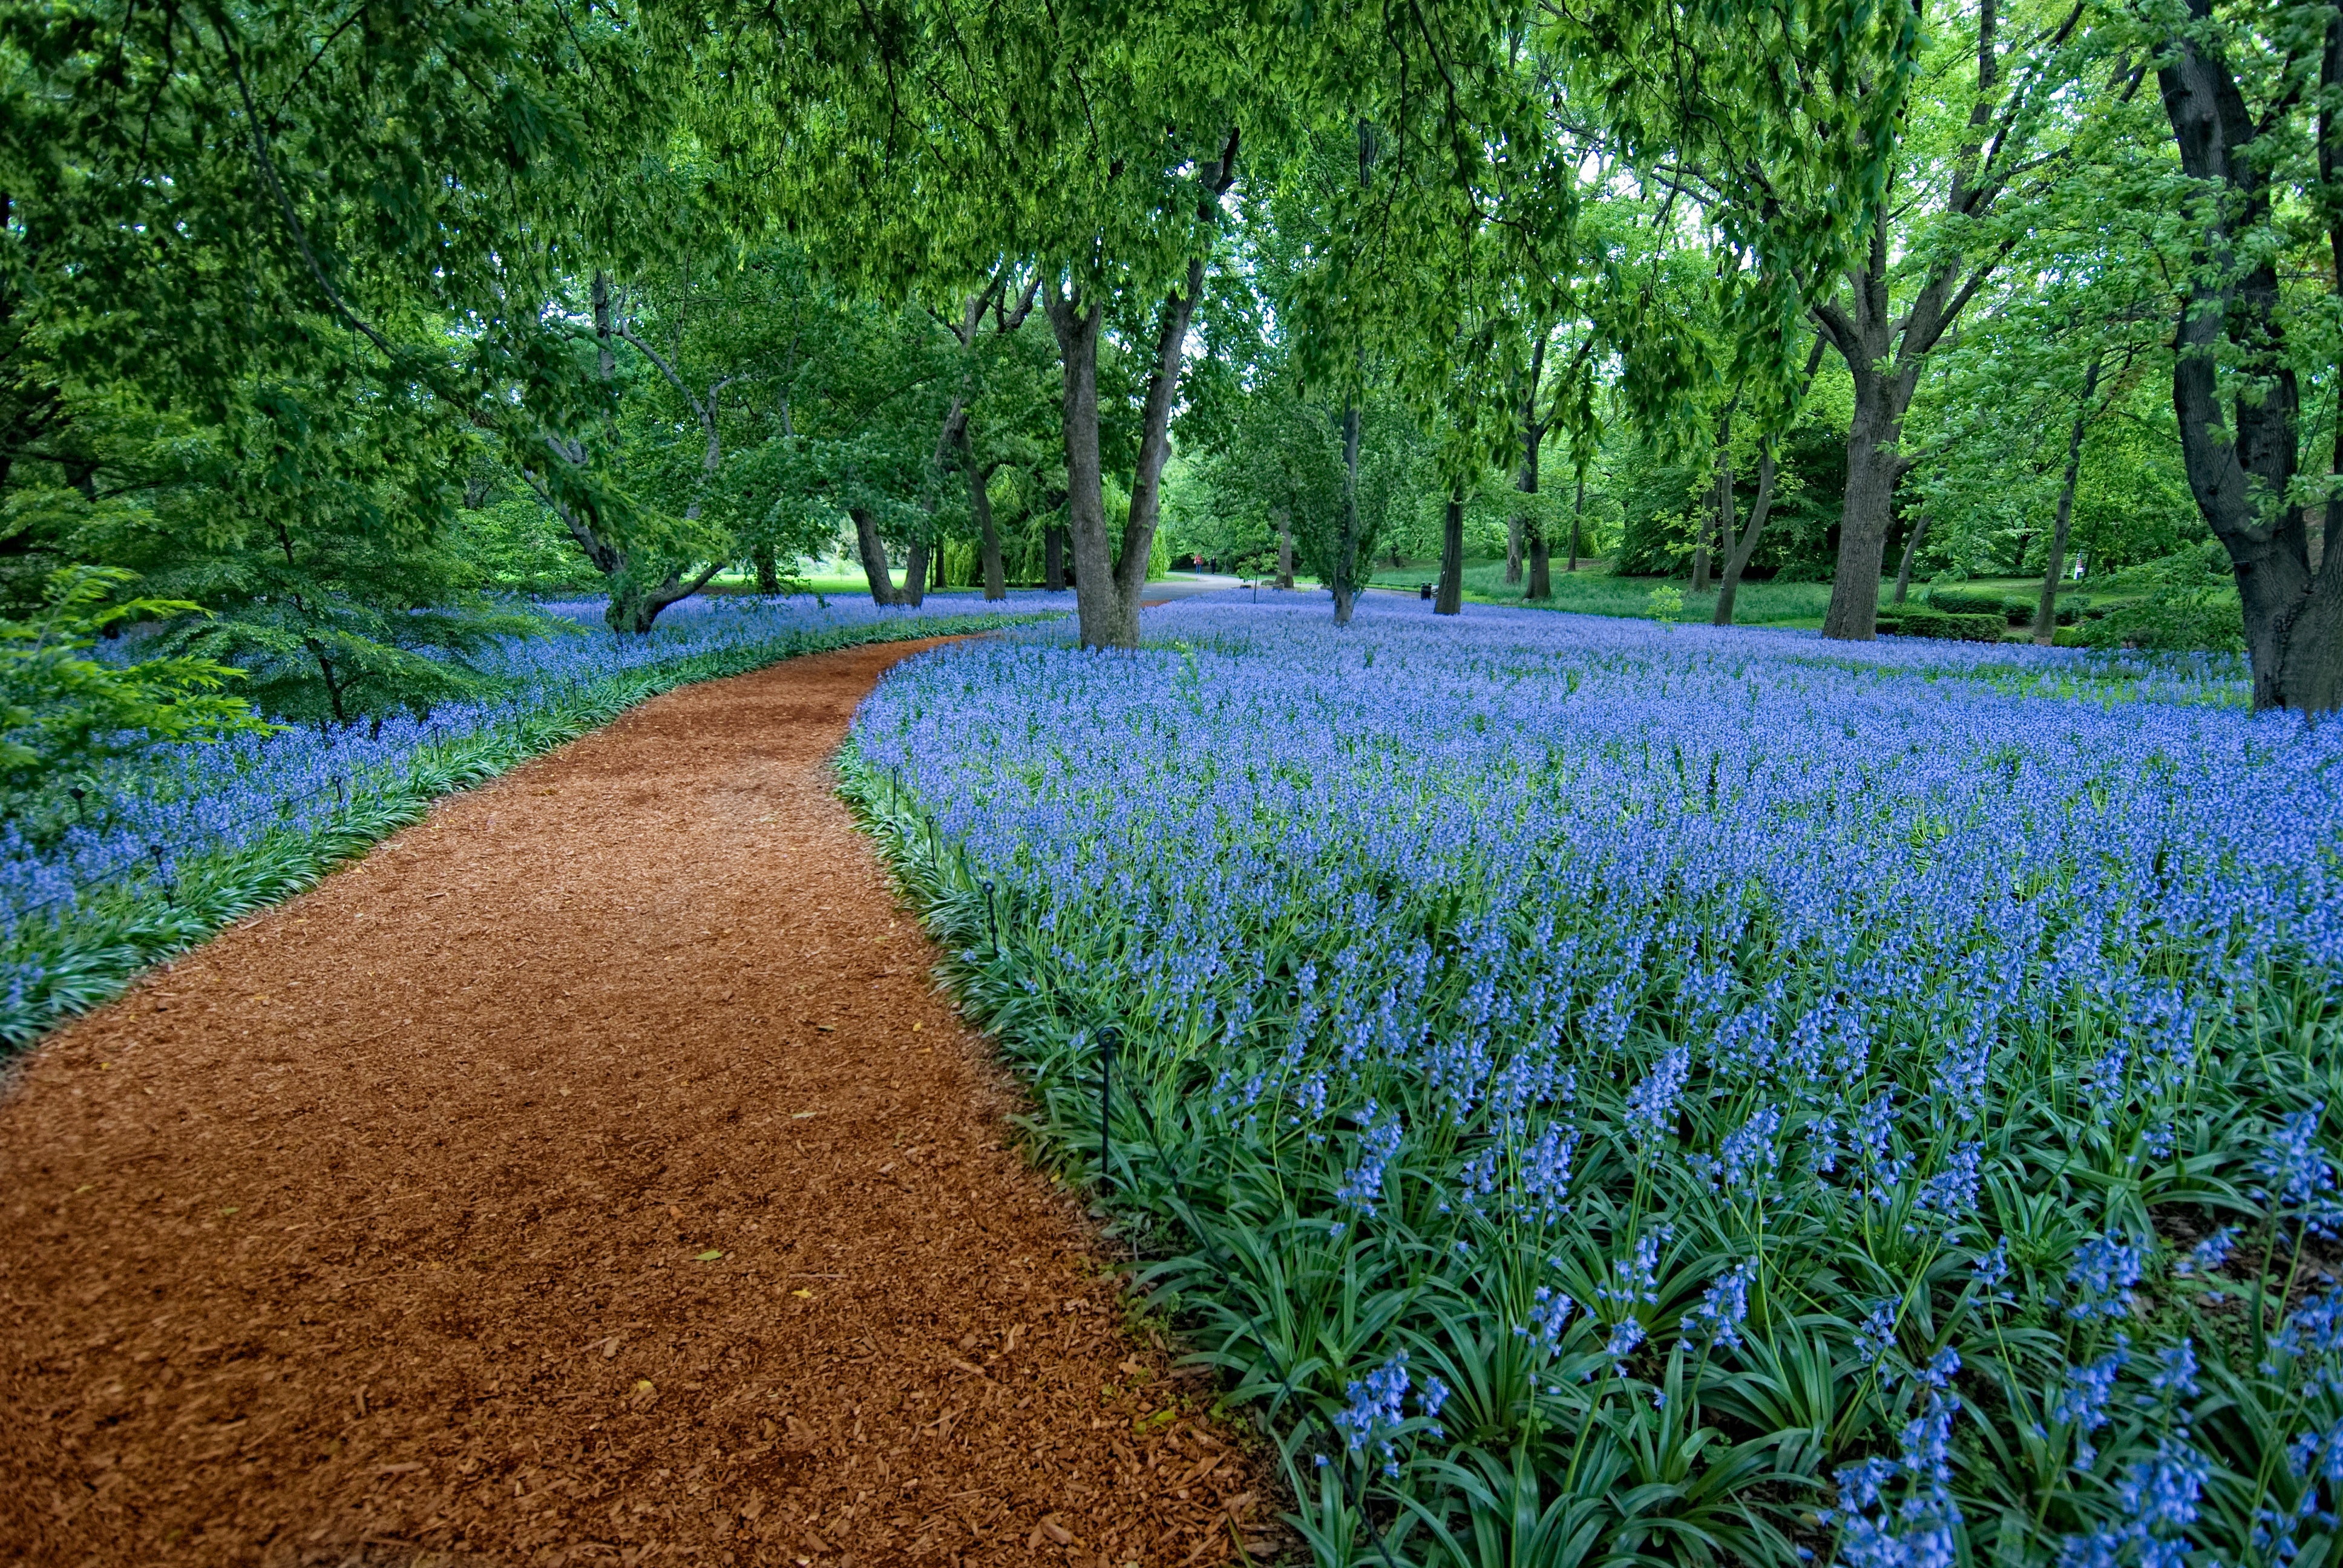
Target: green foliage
1926,620
62,710
2187,600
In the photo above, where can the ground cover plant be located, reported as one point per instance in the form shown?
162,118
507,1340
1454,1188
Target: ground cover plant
151,852
1617,1092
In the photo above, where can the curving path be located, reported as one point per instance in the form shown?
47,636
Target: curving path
589,1175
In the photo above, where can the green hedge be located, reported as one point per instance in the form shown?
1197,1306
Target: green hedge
60,965
1927,620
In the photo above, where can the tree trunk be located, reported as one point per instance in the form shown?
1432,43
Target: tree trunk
873,551
1719,526
1729,588
979,505
2241,463
1076,325
1347,550
915,576
1451,598
1873,467
1524,527
1053,557
1911,554
1577,511
1285,551
2045,609
768,570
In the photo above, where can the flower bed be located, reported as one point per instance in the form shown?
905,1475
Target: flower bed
1618,1091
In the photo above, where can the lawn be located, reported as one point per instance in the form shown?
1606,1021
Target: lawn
1592,590
1614,1092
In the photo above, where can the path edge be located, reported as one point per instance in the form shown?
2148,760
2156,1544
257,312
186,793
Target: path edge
57,968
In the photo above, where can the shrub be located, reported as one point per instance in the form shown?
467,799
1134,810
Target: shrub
1920,620
2190,601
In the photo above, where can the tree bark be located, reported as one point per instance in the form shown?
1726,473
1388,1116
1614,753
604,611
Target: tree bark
1053,558
1885,351
2045,611
1347,550
1108,582
1911,554
915,576
1577,511
768,570
873,551
1718,525
1524,527
2241,463
633,606
1284,549
1729,587
1451,598
979,505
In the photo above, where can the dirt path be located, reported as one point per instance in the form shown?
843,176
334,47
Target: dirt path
590,1175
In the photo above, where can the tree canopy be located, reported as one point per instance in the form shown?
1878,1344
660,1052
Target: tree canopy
344,325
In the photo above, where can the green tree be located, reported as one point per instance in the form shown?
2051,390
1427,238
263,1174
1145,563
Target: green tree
2253,94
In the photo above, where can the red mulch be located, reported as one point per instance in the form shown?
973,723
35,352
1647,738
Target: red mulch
590,1175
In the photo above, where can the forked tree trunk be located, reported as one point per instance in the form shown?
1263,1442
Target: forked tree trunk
915,575
1108,580
2241,460
873,551
1874,465
1451,598
1886,339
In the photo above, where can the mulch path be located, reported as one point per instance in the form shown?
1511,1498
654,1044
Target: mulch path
589,1175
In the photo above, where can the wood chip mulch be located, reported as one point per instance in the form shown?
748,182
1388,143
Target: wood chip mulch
590,1175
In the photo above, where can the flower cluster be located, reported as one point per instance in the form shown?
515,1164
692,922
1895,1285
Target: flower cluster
1815,1016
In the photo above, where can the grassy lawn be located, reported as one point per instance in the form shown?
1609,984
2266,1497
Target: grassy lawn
1592,590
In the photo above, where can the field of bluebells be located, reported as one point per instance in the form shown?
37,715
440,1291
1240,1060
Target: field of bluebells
158,851
1619,1094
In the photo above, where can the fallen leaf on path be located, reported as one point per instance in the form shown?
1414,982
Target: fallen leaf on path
610,1349
709,1256
1055,1531
802,1295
